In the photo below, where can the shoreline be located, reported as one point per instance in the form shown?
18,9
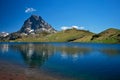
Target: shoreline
10,71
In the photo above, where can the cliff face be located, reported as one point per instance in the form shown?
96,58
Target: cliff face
35,24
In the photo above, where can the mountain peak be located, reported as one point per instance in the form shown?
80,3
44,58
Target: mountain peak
35,17
35,24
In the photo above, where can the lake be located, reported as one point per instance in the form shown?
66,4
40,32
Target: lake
59,61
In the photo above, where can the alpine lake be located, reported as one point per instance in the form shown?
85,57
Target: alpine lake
59,61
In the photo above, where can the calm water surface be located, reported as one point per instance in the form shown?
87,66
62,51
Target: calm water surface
60,61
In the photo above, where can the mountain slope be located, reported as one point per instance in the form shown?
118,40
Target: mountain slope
110,35
35,24
69,35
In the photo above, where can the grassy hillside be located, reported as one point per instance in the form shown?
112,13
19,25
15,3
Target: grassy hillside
73,35
70,35
62,36
108,36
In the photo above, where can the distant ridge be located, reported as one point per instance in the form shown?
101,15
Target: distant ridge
110,35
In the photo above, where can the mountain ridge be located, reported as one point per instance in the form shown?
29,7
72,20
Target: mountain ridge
73,35
109,35
35,29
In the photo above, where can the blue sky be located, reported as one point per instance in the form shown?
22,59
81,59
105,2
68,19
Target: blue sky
93,15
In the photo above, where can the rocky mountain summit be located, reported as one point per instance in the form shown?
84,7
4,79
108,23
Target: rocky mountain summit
35,24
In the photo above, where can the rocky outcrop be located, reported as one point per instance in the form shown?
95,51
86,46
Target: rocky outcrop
35,24
4,34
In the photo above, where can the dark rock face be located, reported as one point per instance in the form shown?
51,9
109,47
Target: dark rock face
35,24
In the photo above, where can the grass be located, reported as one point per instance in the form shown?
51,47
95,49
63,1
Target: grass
62,36
74,35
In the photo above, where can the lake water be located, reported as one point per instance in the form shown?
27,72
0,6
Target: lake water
59,61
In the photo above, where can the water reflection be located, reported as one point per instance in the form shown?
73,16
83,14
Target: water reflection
73,51
33,54
110,51
79,61
4,48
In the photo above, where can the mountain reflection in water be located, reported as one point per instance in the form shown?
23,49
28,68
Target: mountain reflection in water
36,54
67,61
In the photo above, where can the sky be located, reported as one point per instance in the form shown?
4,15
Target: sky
92,15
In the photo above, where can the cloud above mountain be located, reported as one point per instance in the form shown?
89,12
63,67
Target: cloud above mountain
68,27
65,27
29,10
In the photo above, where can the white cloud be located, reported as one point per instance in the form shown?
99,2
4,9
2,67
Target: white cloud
29,10
77,27
81,27
65,27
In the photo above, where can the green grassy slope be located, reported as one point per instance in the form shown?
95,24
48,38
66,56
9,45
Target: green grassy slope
73,35
108,36
70,35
